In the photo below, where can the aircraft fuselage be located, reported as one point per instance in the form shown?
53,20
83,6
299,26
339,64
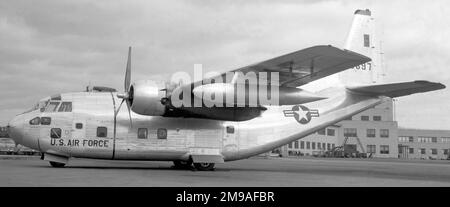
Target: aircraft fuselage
88,131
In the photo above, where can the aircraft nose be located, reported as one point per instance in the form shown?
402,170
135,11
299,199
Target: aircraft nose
14,128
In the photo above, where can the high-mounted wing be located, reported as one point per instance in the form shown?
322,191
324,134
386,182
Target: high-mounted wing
307,65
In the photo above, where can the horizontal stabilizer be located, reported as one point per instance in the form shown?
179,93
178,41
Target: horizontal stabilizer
398,89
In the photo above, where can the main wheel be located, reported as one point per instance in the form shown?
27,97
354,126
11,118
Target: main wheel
57,164
182,164
204,166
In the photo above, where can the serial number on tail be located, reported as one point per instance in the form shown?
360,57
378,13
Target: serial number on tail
365,66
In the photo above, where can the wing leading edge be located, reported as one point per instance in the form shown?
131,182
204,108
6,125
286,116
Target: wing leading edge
307,65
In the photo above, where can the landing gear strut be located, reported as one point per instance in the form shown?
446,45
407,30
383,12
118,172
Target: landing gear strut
57,164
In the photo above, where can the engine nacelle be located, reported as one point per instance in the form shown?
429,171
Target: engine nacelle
145,98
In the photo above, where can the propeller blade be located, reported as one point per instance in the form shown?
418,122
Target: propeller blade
118,109
115,117
128,71
129,113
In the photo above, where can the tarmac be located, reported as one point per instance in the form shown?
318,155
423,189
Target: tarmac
254,172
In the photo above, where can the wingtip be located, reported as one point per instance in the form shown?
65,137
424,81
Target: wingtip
437,86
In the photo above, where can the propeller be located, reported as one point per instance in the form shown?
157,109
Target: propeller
126,96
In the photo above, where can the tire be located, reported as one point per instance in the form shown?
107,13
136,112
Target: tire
204,166
182,164
57,164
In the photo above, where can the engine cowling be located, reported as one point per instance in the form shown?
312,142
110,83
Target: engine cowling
145,98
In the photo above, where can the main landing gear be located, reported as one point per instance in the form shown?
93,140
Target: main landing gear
57,164
197,166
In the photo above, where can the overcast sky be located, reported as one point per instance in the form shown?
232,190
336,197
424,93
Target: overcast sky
50,47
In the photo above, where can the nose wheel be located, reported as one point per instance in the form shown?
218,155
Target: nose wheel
57,164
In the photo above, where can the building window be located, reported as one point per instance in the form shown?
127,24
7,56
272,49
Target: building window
348,118
350,132
313,146
290,145
324,146
308,145
445,140
411,150
371,149
65,107
55,133
377,118
364,118
426,139
434,139
296,144
319,145
142,133
102,132
321,132
230,129
423,151
332,146
79,126
411,139
35,121
434,151
445,152
328,146
384,149
331,132
46,121
162,133
371,133
384,133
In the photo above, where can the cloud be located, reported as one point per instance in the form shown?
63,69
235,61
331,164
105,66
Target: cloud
50,47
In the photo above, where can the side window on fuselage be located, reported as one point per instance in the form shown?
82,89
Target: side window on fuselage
55,133
142,133
102,132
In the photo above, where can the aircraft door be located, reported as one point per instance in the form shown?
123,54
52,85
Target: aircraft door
229,141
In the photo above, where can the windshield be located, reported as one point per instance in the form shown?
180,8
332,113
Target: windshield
39,105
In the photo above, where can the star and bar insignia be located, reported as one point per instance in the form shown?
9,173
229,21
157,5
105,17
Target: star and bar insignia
302,114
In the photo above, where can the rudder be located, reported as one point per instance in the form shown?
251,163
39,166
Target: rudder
362,39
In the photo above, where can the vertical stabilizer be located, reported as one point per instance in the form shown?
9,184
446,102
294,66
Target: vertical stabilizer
362,39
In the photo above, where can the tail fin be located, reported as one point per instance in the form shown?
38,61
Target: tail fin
362,39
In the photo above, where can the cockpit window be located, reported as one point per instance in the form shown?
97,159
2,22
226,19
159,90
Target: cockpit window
46,120
51,107
35,121
65,107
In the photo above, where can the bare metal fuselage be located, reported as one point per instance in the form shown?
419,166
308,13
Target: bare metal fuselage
185,136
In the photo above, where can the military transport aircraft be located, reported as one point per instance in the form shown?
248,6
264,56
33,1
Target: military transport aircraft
93,124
